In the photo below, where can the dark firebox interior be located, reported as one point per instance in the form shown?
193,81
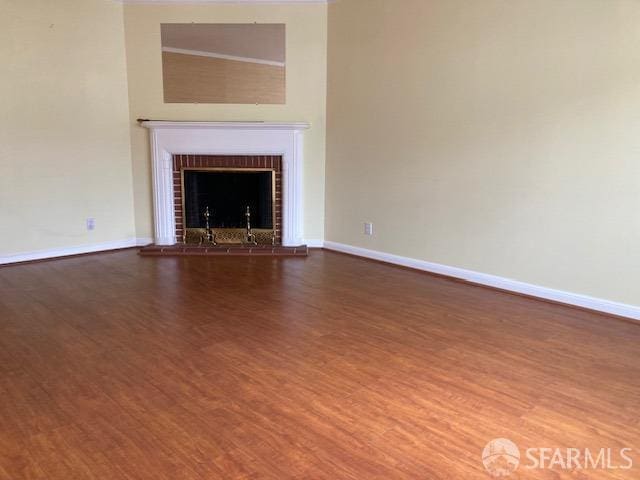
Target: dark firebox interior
228,194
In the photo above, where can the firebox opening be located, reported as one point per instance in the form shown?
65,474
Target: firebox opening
227,194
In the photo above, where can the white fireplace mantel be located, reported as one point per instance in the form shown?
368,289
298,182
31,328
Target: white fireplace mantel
226,138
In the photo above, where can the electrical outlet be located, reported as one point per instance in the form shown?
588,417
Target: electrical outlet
91,223
368,228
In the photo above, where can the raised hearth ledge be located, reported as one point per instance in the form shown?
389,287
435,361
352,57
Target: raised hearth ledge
224,250
170,138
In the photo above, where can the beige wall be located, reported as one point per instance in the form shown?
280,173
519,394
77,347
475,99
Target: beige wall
498,136
306,90
64,138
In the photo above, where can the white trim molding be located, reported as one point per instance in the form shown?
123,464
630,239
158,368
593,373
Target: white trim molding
169,125
143,241
75,250
226,138
314,243
222,56
584,301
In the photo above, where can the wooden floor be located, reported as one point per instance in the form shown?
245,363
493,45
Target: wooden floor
114,366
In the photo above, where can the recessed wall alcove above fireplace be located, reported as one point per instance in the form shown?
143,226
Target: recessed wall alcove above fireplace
227,147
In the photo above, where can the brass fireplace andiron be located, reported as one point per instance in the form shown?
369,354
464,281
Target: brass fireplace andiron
250,239
208,236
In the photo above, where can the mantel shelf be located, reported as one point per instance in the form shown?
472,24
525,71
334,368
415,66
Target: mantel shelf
162,124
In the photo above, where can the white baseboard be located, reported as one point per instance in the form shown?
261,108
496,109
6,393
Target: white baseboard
314,243
597,304
77,250
143,241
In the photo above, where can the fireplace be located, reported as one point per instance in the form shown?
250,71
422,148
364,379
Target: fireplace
227,200
243,145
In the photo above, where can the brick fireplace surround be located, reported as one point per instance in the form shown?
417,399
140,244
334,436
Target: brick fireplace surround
236,162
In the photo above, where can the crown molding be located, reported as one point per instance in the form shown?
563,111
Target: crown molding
214,2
